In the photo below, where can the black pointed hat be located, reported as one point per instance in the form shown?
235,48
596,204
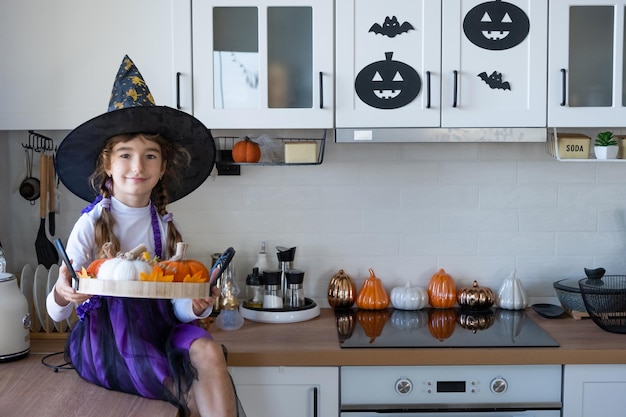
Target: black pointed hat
132,110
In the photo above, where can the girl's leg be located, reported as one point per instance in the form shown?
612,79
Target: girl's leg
212,392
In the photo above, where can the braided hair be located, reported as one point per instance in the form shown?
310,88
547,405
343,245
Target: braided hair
174,156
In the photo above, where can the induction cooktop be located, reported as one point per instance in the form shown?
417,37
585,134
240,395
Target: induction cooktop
431,328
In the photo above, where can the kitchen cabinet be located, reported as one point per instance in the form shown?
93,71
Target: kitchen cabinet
60,58
263,64
427,63
586,64
288,391
594,390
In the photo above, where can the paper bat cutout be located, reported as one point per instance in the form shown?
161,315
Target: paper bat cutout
495,80
391,27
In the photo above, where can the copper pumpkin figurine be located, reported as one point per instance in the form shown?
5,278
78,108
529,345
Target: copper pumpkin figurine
476,320
341,291
476,297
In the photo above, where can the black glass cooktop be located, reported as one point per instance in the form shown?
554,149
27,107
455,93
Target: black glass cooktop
439,328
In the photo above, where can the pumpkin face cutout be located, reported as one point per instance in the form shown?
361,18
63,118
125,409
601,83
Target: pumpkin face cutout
387,84
496,25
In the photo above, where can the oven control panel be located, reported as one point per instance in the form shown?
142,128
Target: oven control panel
451,384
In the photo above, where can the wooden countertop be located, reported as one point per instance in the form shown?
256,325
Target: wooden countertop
315,343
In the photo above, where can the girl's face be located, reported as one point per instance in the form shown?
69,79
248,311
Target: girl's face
136,167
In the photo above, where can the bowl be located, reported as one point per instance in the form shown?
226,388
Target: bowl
605,301
568,292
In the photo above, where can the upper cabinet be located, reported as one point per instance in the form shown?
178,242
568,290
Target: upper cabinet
424,63
586,64
59,58
263,64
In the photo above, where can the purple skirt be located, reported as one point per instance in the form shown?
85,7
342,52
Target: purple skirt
134,345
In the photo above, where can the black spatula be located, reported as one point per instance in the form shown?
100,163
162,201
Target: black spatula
46,253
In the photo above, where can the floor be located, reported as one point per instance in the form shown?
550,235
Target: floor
30,388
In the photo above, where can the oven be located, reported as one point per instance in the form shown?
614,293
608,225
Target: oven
446,391
451,391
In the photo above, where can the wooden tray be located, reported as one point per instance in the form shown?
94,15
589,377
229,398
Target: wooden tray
143,289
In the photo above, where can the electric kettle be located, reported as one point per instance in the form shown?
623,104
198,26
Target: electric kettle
15,321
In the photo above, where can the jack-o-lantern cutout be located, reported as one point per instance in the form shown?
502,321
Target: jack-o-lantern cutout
387,84
496,25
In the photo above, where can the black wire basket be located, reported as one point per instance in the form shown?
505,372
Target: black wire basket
605,301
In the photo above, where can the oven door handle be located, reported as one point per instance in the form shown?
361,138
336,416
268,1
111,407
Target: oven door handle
315,392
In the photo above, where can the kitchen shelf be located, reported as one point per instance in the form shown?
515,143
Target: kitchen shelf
225,146
552,146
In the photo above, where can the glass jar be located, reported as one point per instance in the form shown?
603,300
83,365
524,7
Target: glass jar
272,297
254,290
294,293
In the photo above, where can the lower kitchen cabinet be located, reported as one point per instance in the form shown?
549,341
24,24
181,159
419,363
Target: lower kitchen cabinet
594,390
288,391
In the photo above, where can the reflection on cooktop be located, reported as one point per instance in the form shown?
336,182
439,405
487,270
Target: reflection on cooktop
426,328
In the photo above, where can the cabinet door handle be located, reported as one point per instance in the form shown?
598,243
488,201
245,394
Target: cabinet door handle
563,86
178,106
428,89
456,82
315,402
321,90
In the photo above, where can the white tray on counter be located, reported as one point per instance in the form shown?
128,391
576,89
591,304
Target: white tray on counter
276,315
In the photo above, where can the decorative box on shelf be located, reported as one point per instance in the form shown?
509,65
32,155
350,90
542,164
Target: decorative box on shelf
569,145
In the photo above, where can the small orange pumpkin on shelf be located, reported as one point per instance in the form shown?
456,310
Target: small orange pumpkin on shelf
184,270
441,290
372,295
246,151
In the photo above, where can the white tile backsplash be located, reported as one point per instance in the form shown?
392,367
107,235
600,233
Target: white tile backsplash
405,210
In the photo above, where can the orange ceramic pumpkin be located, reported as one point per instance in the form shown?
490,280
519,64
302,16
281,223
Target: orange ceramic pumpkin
246,151
441,290
184,269
372,295
441,323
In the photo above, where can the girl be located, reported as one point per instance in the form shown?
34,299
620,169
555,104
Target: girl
147,347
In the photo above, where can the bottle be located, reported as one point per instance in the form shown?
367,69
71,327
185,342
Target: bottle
3,261
262,262
229,317
254,290
273,296
294,294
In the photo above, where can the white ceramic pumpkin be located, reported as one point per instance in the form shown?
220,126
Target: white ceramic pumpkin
125,267
409,297
511,295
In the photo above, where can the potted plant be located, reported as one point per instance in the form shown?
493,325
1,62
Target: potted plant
605,146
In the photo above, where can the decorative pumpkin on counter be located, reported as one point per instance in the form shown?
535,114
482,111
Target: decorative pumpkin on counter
184,270
246,151
476,320
511,295
346,323
441,290
406,320
441,323
372,295
372,322
341,291
476,297
409,298
125,266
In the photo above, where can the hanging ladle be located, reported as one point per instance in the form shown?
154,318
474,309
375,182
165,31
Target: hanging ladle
30,186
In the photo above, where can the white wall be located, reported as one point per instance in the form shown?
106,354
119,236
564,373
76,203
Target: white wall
404,210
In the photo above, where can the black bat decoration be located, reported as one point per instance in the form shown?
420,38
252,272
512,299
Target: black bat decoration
391,27
495,80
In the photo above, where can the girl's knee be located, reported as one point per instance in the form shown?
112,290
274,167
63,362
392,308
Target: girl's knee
206,352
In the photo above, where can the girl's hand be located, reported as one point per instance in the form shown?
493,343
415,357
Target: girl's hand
201,304
64,293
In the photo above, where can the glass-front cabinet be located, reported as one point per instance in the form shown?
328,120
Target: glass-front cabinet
433,63
263,64
587,64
